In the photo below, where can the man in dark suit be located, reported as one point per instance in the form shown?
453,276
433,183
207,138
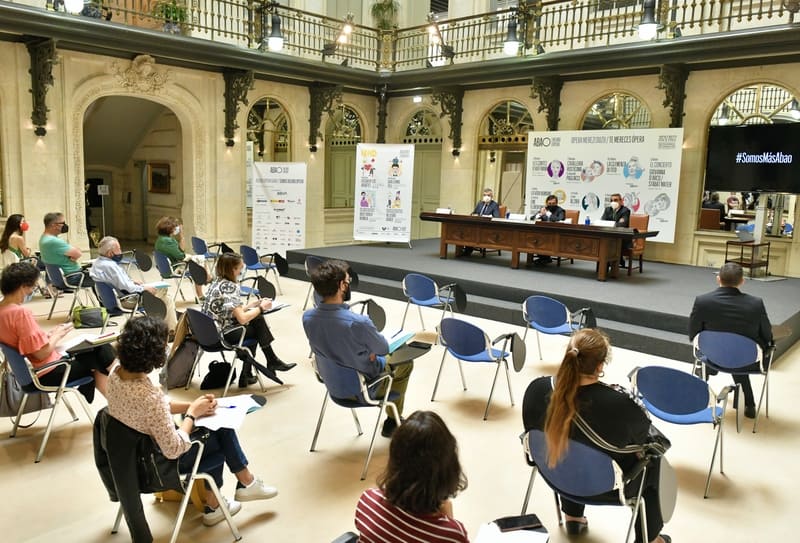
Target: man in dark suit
727,309
714,203
551,212
487,205
621,216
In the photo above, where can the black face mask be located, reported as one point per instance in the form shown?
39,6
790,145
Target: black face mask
552,209
64,228
347,294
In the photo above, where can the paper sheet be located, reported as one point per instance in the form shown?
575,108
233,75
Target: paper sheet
230,412
490,533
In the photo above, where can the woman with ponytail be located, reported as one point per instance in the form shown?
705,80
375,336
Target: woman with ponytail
551,404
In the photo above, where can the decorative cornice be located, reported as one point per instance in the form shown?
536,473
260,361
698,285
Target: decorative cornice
321,101
141,75
451,100
43,57
548,90
383,101
672,80
237,83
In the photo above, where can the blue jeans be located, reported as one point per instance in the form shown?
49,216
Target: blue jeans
222,447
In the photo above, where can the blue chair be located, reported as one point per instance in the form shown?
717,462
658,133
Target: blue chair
585,474
110,299
311,263
788,229
59,281
253,262
175,271
735,354
423,291
681,398
29,382
211,340
548,316
200,247
465,341
349,389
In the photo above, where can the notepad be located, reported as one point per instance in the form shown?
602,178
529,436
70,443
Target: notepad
275,307
156,284
397,338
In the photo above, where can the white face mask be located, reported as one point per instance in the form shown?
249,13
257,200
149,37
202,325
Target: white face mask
176,231
487,199
615,205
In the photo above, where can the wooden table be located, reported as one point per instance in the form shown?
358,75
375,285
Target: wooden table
753,260
595,243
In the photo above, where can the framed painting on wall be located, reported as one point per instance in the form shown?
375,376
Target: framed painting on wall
158,178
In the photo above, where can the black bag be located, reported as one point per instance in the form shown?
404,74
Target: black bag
89,317
217,374
11,394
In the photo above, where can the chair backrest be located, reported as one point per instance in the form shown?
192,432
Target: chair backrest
249,255
573,214
108,297
710,219
56,275
728,350
502,211
265,288
342,382
18,365
204,329
463,338
198,273
7,258
153,306
640,222
545,311
143,261
199,246
672,391
422,287
788,228
583,471
311,264
162,264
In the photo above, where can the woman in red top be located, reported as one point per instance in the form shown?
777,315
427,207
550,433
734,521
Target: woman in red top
19,330
412,502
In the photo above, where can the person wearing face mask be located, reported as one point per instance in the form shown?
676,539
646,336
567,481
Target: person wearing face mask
56,251
13,238
621,216
344,337
487,205
170,244
107,269
551,212
19,330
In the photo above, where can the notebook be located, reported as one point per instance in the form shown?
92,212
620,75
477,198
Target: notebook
397,338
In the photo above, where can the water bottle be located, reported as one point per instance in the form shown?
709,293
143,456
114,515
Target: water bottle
588,221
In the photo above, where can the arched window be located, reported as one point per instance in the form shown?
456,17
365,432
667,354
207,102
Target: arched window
617,110
268,128
423,127
342,133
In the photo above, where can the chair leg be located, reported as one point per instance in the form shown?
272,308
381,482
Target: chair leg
319,422
525,334
403,323
557,499
491,392
54,292
528,491
717,443
194,368
538,344
508,381
640,263
764,392
630,265
69,408
230,374
357,422
461,372
185,502
438,375
49,428
19,414
639,510
115,528
421,320
308,296
372,443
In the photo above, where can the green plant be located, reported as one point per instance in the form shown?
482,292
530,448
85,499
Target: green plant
384,14
170,11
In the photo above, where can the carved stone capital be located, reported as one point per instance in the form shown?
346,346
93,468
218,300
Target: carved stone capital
43,57
237,83
321,101
672,80
451,100
548,90
140,75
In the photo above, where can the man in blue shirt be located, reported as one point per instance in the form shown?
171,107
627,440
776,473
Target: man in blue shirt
338,335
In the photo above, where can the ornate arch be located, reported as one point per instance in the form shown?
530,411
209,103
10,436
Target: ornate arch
616,110
505,124
757,103
422,126
345,125
279,124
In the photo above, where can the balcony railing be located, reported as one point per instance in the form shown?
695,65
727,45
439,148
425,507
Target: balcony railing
543,26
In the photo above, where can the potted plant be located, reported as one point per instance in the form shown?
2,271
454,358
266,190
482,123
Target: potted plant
173,13
384,14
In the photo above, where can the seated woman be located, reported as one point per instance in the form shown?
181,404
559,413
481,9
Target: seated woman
13,238
135,401
224,303
170,243
412,501
19,329
608,409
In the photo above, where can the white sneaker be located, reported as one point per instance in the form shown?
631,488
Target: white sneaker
216,516
256,491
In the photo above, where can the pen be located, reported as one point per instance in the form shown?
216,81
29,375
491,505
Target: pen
226,407
397,334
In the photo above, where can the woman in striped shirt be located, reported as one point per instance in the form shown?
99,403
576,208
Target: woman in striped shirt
412,501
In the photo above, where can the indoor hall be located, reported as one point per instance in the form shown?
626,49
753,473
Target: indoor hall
62,497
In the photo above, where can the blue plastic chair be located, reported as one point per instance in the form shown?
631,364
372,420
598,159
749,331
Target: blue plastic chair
788,229
253,262
311,264
59,281
423,291
467,342
29,382
587,475
110,299
211,340
737,355
548,316
349,389
168,270
200,247
681,398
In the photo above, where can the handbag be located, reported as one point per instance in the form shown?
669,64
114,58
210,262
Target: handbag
89,317
11,394
217,374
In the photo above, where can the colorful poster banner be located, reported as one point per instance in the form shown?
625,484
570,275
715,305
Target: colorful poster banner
584,168
279,206
384,180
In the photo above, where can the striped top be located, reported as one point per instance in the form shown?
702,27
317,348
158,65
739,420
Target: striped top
379,521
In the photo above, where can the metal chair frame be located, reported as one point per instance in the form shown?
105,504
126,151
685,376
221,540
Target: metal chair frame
100,286
255,262
558,328
310,265
445,301
59,280
177,271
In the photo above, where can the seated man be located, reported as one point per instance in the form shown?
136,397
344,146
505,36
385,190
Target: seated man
551,212
714,203
56,251
621,216
339,335
727,309
486,207
107,269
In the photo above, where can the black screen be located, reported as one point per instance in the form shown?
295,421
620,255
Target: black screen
762,158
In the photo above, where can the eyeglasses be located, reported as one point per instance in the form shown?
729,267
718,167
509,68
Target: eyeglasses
615,199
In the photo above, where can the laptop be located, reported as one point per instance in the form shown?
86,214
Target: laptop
745,236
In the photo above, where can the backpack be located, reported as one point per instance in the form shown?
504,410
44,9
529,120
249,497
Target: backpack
177,372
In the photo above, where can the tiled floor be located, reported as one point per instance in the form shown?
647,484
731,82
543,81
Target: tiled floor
62,498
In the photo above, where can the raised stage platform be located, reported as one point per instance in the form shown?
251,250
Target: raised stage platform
646,312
